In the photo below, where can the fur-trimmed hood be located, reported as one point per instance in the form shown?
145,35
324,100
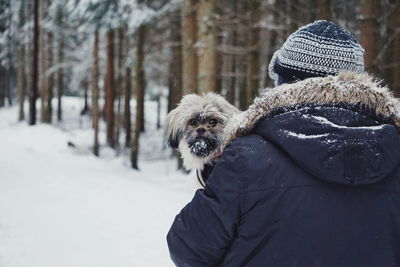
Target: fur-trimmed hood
347,87
342,129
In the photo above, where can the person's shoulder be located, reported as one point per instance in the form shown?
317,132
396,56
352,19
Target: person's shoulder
261,165
251,146
253,155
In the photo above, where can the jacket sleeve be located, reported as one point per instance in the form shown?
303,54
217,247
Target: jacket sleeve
203,231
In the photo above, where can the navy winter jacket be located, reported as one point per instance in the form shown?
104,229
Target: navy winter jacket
310,177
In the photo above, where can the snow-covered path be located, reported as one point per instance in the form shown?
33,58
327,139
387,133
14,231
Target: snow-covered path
60,206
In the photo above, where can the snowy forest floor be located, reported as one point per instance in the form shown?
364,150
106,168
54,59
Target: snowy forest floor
61,206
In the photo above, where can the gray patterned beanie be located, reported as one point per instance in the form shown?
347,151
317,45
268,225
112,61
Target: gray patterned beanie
316,50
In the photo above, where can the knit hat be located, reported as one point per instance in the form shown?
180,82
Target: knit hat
316,50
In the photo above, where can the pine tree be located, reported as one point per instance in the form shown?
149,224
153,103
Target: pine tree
175,64
189,54
35,65
206,46
139,87
43,46
324,10
60,56
21,64
369,34
253,57
109,88
127,105
95,94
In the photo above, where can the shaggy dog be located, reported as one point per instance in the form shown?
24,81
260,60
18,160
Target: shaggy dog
196,126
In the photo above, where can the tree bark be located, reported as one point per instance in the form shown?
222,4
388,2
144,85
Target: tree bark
242,88
206,46
175,64
189,54
294,16
139,86
110,89
43,64
2,86
60,52
96,93
21,65
231,94
35,65
127,106
119,86
273,39
86,108
369,34
50,78
140,78
396,54
324,10
253,69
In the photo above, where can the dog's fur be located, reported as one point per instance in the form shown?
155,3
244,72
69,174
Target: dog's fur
196,127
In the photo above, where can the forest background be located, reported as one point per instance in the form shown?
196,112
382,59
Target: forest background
118,54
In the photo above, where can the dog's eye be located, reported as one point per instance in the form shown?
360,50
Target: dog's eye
193,122
213,122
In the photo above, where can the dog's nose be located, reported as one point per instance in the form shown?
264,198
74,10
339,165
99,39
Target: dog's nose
201,131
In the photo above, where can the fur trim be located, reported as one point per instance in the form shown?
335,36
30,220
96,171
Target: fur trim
347,87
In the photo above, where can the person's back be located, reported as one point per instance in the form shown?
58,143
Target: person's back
310,175
319,183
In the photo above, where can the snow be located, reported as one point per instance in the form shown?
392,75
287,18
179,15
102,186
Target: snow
61,206
304,136
199,146
328,122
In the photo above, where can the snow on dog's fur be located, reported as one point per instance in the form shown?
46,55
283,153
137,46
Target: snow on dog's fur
196,127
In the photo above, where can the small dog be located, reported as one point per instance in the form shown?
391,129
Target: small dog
196,126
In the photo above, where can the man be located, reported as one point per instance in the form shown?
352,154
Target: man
310,175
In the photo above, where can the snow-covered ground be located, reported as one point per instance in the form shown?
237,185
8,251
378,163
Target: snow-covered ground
61,206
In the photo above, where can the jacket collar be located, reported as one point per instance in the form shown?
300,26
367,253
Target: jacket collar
347,88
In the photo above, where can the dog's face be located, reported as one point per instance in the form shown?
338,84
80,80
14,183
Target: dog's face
196,127
203,134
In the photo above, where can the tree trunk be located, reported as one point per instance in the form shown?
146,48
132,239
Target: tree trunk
110,89
231,94
86,108
2,86
127,106
253,69
396,54
35,65
189,55
206,43
276,10
369,34
139,86
60,74
324,10
21,65
242,88
119,86
95,94
175,64
294,17
140,78
43,66
50,78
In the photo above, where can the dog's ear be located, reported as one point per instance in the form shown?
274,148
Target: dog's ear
173,141
173,129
